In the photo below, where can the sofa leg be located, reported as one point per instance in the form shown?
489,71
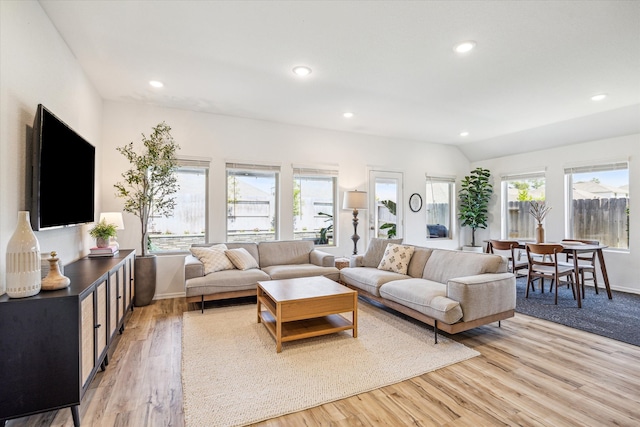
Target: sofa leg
435,330
202,304
499,324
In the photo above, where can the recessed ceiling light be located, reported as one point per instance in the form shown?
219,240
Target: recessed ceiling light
464,133
156,83
301,70
599,97
347,115
464,47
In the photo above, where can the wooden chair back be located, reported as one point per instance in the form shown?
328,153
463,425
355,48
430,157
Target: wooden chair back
503,245
510,246
545,250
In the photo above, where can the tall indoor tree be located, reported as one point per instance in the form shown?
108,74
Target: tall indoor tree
149,187
474,196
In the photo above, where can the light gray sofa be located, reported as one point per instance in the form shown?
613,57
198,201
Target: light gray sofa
276,260
450,290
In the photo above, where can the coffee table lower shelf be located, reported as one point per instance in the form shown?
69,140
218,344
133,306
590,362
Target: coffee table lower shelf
306,328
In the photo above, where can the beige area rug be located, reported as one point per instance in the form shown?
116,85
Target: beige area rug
232,375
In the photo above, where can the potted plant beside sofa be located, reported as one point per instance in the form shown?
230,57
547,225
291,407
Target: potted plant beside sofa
473,207
148,189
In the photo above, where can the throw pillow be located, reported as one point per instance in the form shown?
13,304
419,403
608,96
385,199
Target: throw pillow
213,258
375,250
241,258
396,258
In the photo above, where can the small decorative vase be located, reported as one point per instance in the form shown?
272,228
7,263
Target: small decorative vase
54,280
23,260
539,234
102,243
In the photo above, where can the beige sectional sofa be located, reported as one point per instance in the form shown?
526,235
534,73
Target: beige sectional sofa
450,290
273,260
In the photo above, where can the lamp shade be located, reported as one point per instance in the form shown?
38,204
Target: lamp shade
355,200
114,218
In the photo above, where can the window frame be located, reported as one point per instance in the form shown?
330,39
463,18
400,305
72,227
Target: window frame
191,164
319,172
504,209
440,179
255,168
605,166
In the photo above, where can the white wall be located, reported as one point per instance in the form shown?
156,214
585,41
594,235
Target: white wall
37,67
623,267
223,138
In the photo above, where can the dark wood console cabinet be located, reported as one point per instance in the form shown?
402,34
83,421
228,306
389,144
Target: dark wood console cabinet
53,343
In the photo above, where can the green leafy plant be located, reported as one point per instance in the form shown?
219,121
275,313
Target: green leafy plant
474,196
102,230
324,239
389,226
150,183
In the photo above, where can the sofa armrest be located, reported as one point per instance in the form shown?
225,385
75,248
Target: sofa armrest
483,294
322,259
193,267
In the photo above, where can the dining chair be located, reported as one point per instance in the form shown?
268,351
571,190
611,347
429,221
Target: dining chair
509,249
542,268
586,263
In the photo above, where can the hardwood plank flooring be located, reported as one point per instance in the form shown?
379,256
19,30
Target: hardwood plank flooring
531,373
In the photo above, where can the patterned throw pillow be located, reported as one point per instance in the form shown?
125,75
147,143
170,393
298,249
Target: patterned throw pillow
375,251
241,258
396,258
213,258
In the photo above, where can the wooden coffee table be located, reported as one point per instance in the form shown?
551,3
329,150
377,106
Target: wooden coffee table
306,307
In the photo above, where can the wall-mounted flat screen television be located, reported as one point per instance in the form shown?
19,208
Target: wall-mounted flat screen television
63,174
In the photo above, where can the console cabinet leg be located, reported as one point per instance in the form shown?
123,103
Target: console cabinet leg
76,416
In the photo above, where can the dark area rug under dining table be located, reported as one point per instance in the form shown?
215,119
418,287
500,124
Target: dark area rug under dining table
617,318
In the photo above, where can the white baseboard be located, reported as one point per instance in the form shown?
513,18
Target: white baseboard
169,296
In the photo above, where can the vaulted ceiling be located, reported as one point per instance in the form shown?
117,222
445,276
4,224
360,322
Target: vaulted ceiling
526,85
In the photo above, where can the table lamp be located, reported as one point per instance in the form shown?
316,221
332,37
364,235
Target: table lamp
355,200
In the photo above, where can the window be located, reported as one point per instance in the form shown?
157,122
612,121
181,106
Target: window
598,203
517,191
252,210
188,224
386,204
438,207
314,204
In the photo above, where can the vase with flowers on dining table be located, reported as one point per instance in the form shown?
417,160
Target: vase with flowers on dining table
538,210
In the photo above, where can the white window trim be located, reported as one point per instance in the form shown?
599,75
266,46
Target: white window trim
504,189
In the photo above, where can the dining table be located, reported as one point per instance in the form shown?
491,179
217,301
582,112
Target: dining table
574,248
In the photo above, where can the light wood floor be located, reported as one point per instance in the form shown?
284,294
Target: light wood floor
531,373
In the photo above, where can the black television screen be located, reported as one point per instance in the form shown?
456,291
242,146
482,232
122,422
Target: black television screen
63,174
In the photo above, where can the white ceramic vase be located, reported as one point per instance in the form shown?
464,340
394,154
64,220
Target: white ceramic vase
23,260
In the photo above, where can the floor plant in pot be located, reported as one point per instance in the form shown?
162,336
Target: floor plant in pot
474,196
148,189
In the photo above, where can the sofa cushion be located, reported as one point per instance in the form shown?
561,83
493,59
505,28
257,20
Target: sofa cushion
396,258
424,296
278,272
368,279
213,258
418,261
444,264
375,251
225,281
285,252
241,259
